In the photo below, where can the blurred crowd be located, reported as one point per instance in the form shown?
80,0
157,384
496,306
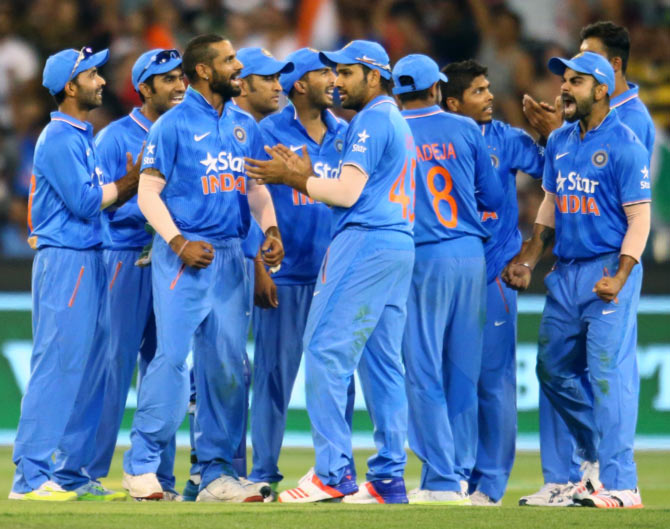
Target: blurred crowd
514,38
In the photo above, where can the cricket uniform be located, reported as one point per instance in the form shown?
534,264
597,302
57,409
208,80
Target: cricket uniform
306,227
442,344
61,407
132,328
586,359
559,462
511,149
200,154
358,309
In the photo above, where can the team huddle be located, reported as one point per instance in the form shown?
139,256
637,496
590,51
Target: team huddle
387,246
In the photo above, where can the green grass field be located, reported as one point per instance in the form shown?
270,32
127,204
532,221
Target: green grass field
654,472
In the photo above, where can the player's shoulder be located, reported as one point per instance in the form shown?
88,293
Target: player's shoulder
277,121
335,122
114,129
562,133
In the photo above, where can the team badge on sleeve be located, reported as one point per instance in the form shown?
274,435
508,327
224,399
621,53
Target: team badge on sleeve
240,134
599,158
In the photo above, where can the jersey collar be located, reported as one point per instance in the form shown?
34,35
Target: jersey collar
629,94
422,112
196,99
380,100
140,119
610,119
84,126
329,119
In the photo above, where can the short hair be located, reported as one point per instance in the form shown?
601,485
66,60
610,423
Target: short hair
59,97
386,84
416,95
460,75
149,81
615,39
198,51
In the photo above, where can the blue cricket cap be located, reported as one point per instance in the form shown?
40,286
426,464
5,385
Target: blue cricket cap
259,61
65,65
154,62
366,52
304,60
589,63
423,71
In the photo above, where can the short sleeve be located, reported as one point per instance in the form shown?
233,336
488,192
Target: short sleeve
109,156
525,153
632,175
365,142
160,151
548,176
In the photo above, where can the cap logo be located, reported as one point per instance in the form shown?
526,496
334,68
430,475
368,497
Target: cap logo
266,53
599,158
240,134
600,73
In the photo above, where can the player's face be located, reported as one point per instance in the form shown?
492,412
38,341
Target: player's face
89,85
225,71
168,90
262,92
352,85
578,95
320,87
477,101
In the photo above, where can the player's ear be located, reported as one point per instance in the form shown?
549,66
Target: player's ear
601,92
70,88
145,90
617,64
204,71
453,104
300,86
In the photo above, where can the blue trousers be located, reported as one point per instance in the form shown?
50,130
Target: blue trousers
587,365
62,403
206,308
442,349
357,319
132,329
497,393
278,350
560,463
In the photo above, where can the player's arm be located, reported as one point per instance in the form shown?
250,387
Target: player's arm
286,167
488,188
198,254
265,290
637,233
517,273
124,188
263,210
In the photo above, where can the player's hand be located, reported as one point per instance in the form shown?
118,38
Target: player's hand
283,167
517,276
133,167
543,117
272,249
608,287
301,165
265,290
196,254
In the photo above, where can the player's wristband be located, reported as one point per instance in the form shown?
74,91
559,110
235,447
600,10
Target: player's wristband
526,265
182,248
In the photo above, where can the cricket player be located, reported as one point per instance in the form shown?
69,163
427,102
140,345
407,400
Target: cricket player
596,213
358,313
194,192
442,344
158,79
560,466
306,224
259,97
61,408
511,149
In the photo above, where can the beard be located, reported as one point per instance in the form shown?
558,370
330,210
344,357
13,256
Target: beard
222,86
89,99
582,107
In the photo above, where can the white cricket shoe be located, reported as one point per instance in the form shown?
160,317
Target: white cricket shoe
47,491
172,495
483,500
550,495
440,497
228,489
614,499
311,489
590,484
142,486
261,487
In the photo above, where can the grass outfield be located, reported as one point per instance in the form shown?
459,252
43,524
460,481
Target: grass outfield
653,467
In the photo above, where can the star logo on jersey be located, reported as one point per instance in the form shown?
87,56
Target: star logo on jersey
150,149
560,182
645,173
210,162
362,136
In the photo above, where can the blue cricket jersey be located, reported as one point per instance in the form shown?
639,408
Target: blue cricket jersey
379,142
201,155
65,193
453,176
635,115
123,227
306,225
511,149
593,179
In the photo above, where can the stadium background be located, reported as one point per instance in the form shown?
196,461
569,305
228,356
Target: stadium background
513,38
